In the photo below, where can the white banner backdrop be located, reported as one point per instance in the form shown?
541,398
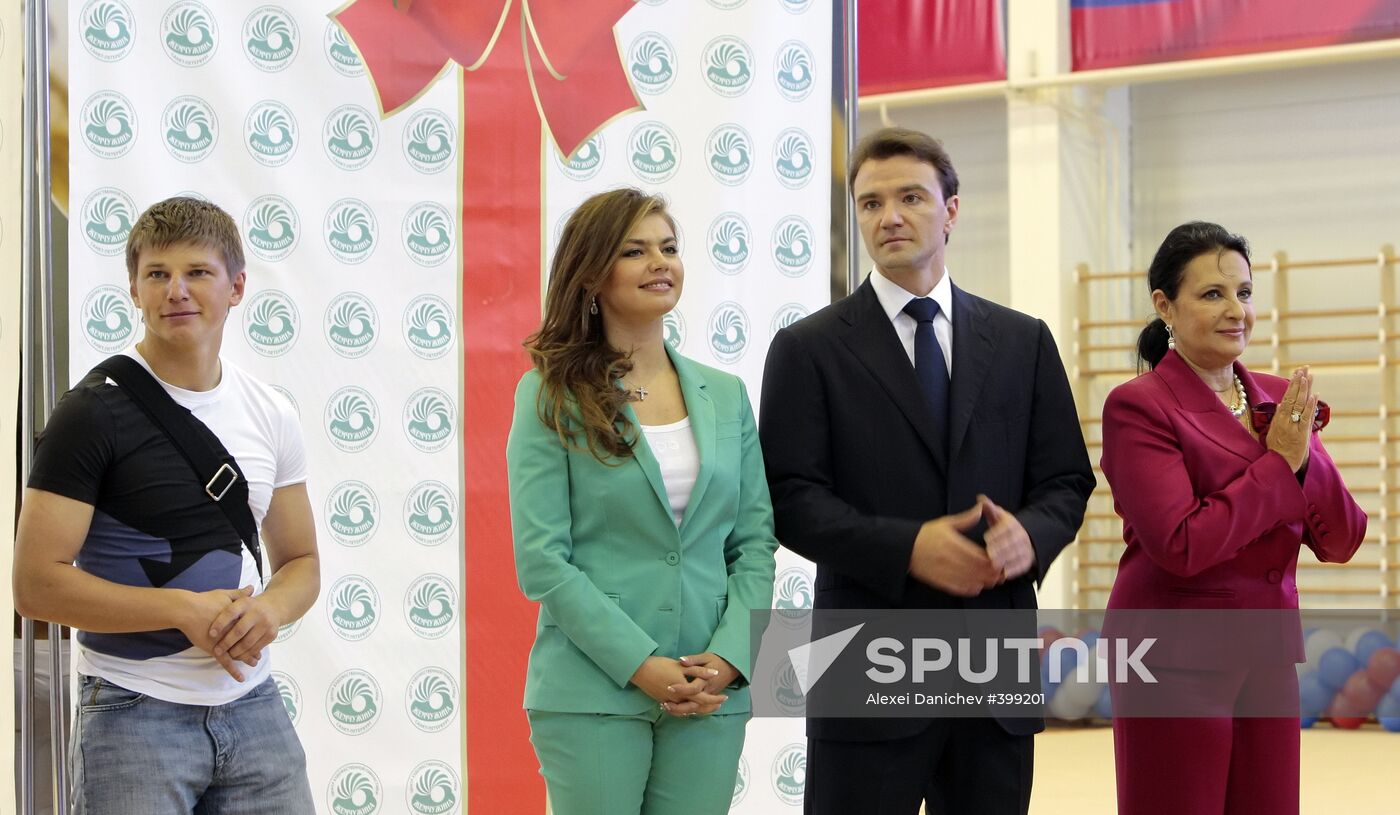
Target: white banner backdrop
737,135
350,234
350,224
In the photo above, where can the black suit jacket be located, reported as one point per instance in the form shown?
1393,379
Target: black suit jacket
855,467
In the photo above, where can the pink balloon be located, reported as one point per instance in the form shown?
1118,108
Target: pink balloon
1384,668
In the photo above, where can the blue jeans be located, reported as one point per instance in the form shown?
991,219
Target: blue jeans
135,755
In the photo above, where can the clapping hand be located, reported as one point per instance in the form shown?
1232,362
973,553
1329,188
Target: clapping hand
1290,432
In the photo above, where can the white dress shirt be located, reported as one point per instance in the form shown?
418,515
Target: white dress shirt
893,299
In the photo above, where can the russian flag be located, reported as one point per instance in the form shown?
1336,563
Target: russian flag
1112,33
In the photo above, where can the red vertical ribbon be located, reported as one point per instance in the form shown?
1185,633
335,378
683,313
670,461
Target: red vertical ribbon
530,67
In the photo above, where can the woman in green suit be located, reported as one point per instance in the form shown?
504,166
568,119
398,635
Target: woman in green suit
642,526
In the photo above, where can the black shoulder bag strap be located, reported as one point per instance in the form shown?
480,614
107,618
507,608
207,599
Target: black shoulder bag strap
212,464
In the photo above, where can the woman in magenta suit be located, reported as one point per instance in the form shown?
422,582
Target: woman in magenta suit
1214,517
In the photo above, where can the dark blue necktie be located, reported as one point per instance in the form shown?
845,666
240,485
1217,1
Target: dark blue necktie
929,366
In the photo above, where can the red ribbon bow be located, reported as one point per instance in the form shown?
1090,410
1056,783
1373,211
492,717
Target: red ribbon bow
573,69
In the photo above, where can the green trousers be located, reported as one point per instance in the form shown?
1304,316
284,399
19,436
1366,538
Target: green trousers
650,764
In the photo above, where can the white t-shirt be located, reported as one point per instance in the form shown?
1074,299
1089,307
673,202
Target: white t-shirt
259,427
679,458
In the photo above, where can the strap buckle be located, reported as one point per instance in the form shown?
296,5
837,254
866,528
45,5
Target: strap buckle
226,471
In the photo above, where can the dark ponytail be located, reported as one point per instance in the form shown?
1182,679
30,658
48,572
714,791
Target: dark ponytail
1152,342
1181,246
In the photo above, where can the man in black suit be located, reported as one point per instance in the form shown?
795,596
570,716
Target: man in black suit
923,449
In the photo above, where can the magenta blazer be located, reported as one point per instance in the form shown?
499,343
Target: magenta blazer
1211,517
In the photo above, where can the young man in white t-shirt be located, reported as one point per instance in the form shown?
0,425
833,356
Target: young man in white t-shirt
176,712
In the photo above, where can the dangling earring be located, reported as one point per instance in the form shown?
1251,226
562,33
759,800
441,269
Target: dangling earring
593,307
1171,338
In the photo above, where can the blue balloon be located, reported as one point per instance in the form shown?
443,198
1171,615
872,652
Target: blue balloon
1313,696
1369,643
1067,659
1045,684
1103,708
1389,713
1336,667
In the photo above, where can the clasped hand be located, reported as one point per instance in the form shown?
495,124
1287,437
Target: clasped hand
946,559
1291,437
687,686
231,625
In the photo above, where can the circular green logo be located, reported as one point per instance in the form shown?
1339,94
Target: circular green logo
108,319
352,606
727,153
430,512
351,230
427,326
673,329
290,692
741,783
108,29
351,325
270,38
352,419
792,71
287,631
787,693
106,219
109,124
350,137
431,699
190,127
792,158
189,34
429,140
352,513
792,589
354,790
271,227
729,332
270,133
651,63
428,419
586,162
353,702
433,789
787,315
340,53
792,246
728,238
430,606
427,233
790,773
271,323
656,152
727,64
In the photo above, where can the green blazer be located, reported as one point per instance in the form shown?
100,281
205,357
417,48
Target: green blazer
596,545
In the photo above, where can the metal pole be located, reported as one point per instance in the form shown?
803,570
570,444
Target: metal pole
852,127
43,209
28,228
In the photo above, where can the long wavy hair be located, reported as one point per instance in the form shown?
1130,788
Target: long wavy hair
579,397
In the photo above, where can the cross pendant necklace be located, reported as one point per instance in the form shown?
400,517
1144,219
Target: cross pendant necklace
641,392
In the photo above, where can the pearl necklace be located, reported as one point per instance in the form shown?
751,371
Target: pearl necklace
1241,401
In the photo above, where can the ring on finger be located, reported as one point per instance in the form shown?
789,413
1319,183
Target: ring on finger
1296,416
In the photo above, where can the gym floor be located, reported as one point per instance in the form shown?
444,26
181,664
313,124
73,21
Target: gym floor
1351,771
